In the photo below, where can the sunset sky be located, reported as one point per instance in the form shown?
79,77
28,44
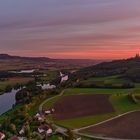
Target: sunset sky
95,29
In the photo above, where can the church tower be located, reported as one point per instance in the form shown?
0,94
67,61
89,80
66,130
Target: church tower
137,55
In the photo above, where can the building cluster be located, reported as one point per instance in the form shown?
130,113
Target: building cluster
42,130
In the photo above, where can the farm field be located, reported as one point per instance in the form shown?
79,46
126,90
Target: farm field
124,127
118,99
82,105
13,81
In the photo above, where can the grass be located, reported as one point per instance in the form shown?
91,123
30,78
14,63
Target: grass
54,137
110,79
50,103
37,101
84,121
116,81
122,104
72,91
49,75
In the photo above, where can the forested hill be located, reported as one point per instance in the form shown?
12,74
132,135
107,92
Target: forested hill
129,68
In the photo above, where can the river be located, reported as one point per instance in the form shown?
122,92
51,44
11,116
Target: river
7,100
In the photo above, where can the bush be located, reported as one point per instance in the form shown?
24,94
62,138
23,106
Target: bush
8,88
132,98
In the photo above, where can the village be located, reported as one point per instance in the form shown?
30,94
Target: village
45,129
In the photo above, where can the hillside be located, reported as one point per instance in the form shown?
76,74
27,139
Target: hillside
129,68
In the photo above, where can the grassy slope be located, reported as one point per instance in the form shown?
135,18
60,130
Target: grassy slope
122,104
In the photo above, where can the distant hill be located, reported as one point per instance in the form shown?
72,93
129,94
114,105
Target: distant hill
8,62
129,68
7,56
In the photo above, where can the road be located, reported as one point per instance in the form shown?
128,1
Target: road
47,100
58,128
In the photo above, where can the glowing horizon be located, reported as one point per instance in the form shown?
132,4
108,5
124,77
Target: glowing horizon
91,29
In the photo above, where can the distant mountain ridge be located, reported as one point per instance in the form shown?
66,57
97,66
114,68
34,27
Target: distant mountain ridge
9,62
7,56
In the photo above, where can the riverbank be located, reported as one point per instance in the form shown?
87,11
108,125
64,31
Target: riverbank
7,101
9,112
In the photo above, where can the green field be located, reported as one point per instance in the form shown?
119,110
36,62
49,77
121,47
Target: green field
13,81
84,121
110,79
117,81
50,74
118,99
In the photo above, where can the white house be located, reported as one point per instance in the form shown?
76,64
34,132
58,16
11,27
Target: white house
47,86
22,131
45,129
65,78
39,117
49,111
